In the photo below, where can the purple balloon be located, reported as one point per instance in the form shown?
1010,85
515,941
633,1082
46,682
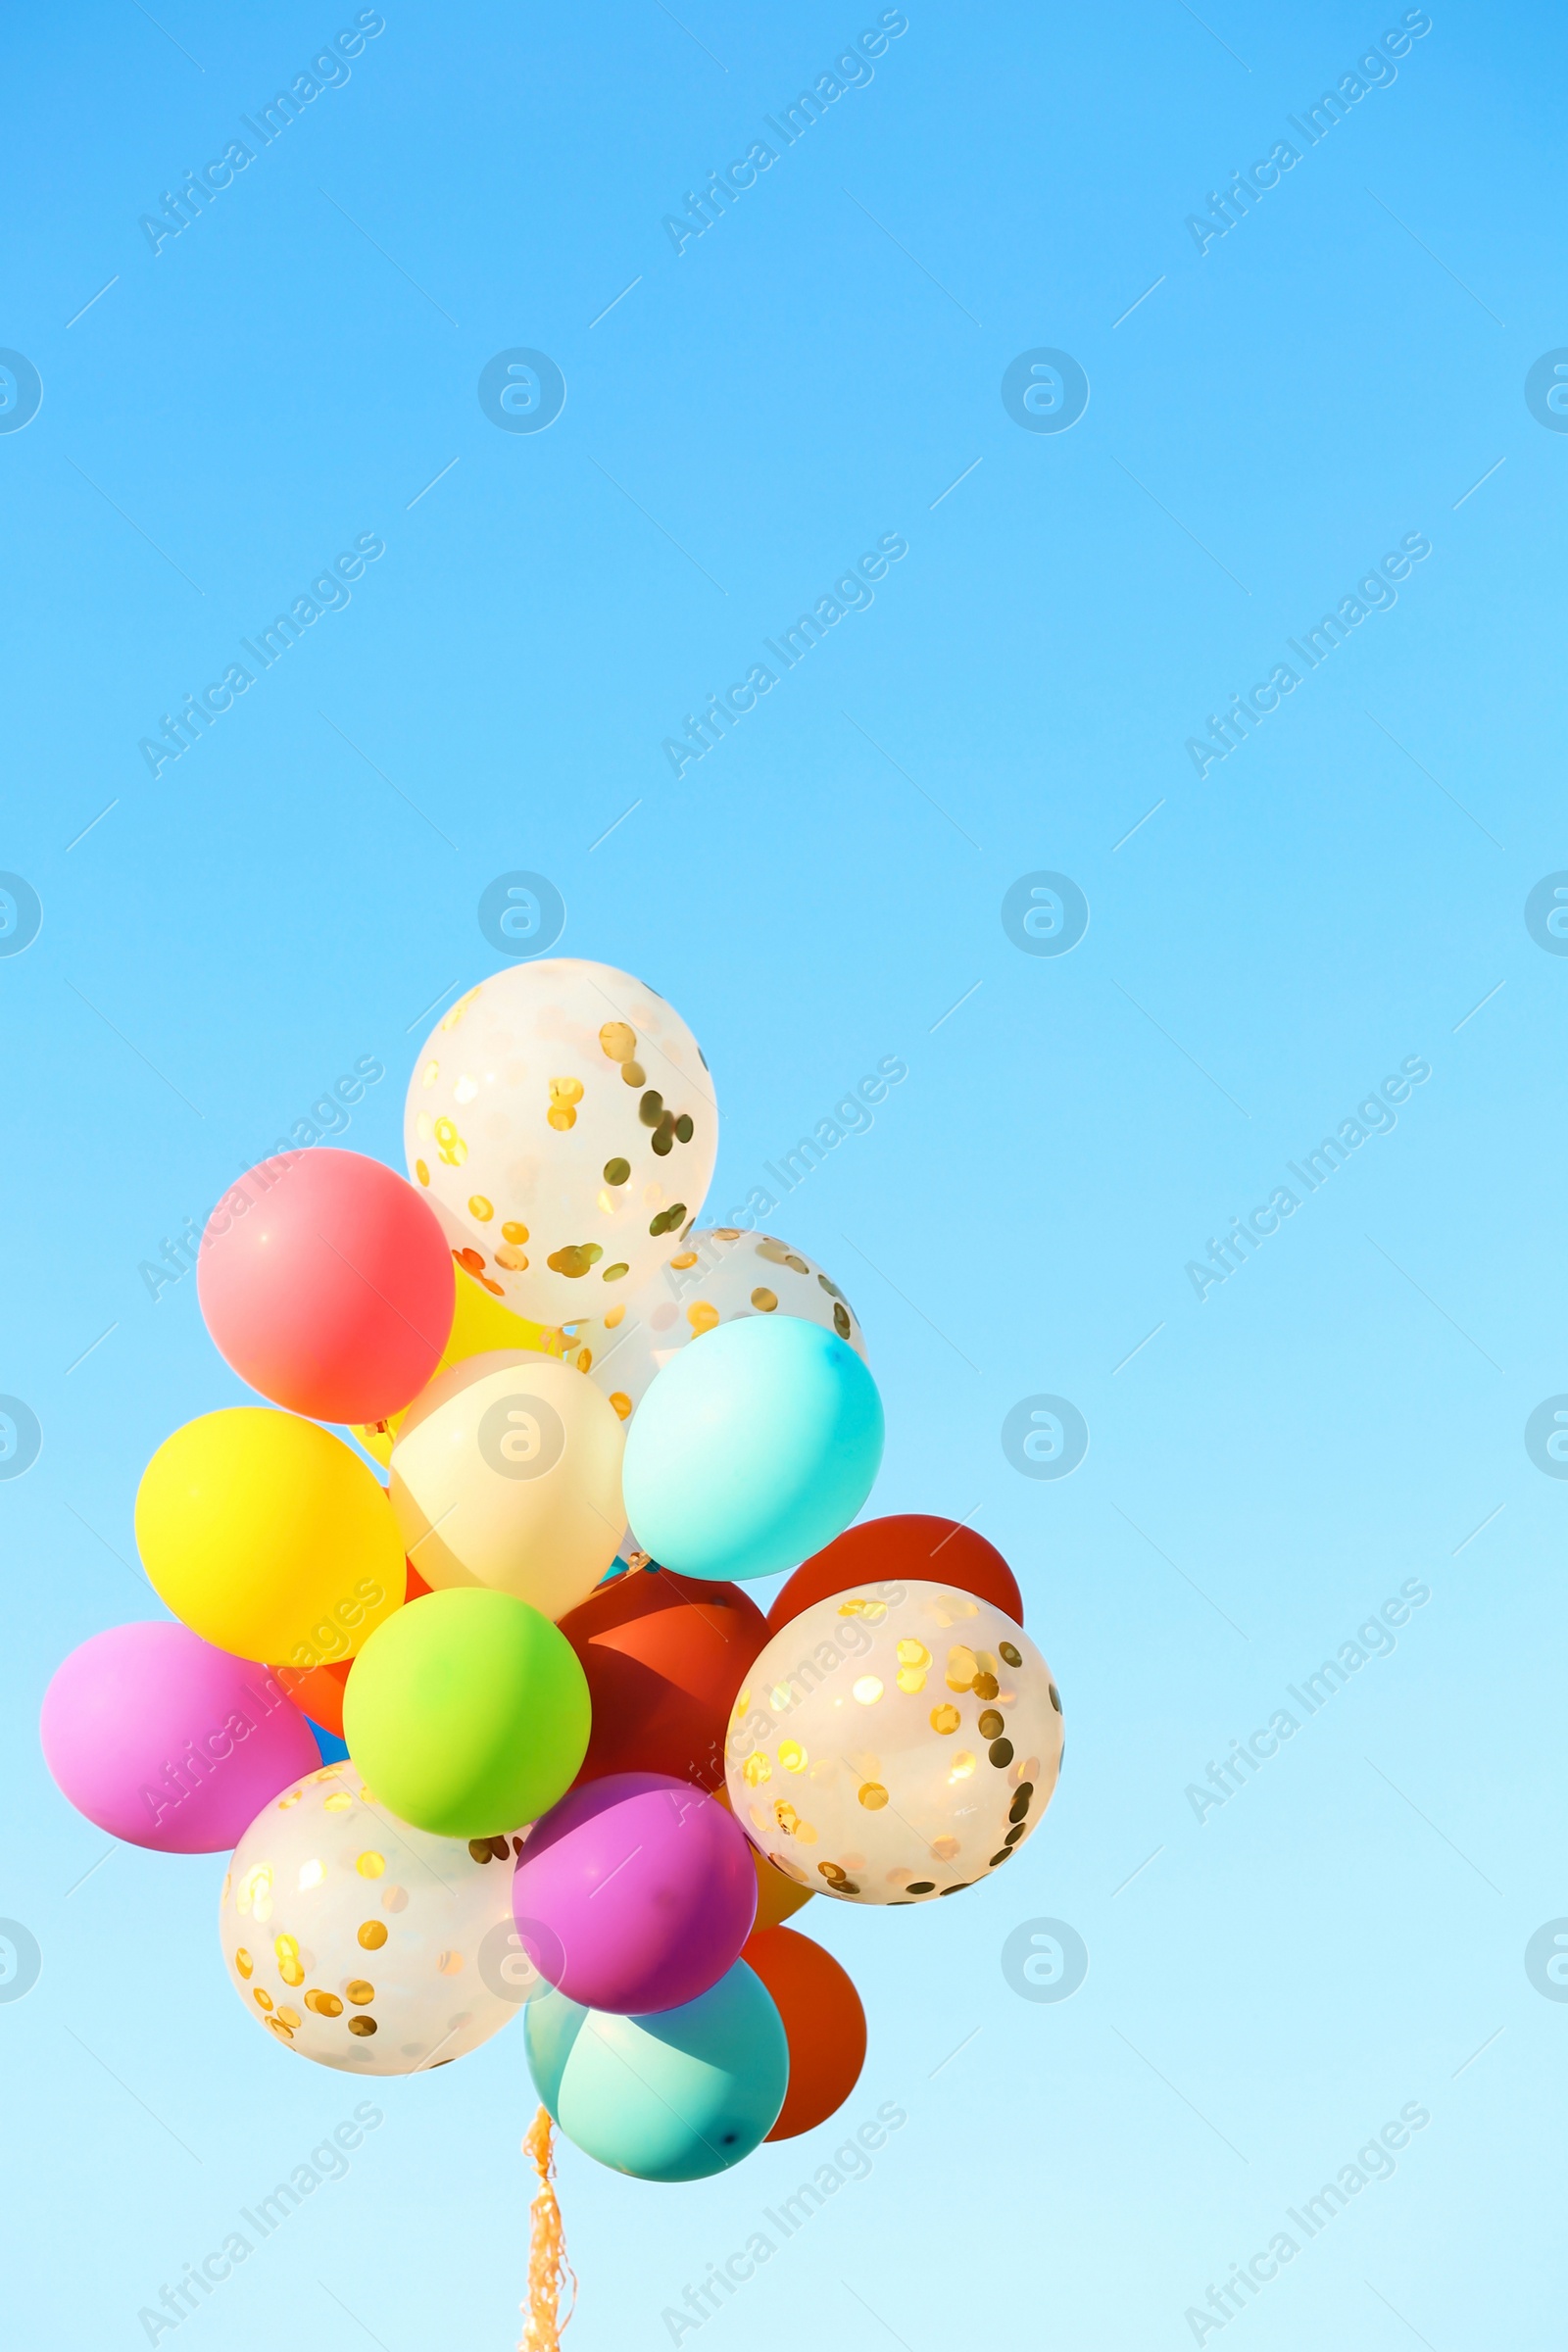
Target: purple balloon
634,1894
168,1742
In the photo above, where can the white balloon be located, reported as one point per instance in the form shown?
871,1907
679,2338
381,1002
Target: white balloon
562,1122
367,1945
895,1744
507,1473
714,1276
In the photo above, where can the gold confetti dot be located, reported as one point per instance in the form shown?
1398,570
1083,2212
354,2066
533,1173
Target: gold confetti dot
618,1041
616,1273
325,2004
362,2025
430,1073
243,1961
616,1315
575,1260
370,1866
372,1934
841,1322
291,1972
421,1171
991,1725
279,2029
985,1685
512,1231
513,1258
584,1358
290,2018
453,1151
868,1691
338,1802
702,1316
945,1719
962,1766
450,1964
792,1755
622,1402
764,1301
480,1208
756,1770
873,1797
262,1998
687,1257
1012,1654
633,1072
360,1993
962,1667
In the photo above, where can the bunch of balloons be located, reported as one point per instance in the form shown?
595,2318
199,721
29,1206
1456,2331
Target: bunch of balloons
507,1736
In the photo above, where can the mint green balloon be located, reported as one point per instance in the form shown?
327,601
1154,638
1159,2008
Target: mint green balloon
676,2096
753,1448
467,1713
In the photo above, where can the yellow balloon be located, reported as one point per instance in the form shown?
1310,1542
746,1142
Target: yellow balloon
480,1324
507,1473
267,1536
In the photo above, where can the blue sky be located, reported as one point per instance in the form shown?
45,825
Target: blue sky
1270,413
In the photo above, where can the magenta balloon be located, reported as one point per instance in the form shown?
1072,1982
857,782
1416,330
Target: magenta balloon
332,1291
168,1742
634,1894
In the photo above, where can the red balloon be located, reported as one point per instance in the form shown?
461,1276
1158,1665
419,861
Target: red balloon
912,1548
825,2024
333,1291
665,1656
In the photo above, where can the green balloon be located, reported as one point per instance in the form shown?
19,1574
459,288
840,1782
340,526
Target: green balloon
467,1713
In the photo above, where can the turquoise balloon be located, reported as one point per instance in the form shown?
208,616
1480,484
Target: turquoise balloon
753,1447
676,2096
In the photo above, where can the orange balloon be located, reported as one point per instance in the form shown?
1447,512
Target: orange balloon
911,1545
317,1692
825,2024
778,1898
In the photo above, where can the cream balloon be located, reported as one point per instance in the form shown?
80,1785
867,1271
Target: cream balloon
507,1473
714,1277
895,1744
562,1122
367,1945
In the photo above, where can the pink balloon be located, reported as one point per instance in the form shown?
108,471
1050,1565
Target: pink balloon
168,1742
333,1291
634,1894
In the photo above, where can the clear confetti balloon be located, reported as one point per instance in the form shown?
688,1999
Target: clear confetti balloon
562,1122
895,1744
367,1945
714,1276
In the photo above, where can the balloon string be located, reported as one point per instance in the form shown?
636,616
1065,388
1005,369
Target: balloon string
548,2266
